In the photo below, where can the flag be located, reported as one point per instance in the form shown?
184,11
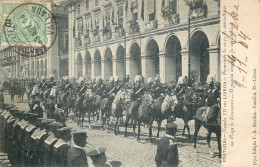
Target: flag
113,21
74,30
142,10
163,5
126,7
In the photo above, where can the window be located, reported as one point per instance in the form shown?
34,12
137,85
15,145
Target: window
134,17
120,16
66,42
80,28
87,4
96,2
151,10
107,18
97,24
173,6
78,9
87,28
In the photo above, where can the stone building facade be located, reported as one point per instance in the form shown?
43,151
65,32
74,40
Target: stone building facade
53,62
146,37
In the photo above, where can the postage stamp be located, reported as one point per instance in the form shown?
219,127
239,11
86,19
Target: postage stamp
29,27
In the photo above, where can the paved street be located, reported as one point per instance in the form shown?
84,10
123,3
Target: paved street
132,153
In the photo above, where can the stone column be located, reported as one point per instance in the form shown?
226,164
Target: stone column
214,61
115,67
148,69
167,67
84,72
106,69
128,66
185,62
92,69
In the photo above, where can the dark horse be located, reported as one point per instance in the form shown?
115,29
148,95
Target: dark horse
211,120
88,106
186,108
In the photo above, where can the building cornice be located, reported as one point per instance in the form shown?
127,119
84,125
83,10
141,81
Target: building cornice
169,29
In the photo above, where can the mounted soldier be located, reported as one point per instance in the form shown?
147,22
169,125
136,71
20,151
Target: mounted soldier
99,87
180,89
157,87
137,92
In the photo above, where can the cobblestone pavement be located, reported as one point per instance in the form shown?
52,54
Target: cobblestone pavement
134,154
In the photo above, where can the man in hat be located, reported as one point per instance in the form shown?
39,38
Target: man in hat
99,87
49,143
137,92
180,88
167,150
98,156
76,156
157,87
61,147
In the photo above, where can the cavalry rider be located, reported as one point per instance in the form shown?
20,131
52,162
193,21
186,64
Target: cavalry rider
117,85
180,89
157,87
149,86
137,92
213,93
99,87
110,87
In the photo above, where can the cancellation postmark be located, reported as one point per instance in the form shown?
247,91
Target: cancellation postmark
29,28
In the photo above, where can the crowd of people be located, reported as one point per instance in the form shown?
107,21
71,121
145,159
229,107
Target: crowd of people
34,138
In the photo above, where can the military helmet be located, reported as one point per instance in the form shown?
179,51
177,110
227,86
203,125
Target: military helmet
157,78
138,78
211,78
111,79
116,78
180,80
43,77
99,79
150,80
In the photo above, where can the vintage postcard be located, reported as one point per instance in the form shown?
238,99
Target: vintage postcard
133,83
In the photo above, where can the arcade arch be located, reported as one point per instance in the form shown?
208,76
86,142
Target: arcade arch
120,62
199,59
173,69
152,59
135,61
108,66
79,65
97,63
88,65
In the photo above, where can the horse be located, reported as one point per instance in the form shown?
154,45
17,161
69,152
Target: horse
210,118
88,106
163,109
78,106
140,114
105,112
118,106
186,109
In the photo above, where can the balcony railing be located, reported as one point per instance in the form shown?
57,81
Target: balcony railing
152,24
107,33
96,38
133,26
198,10
119,31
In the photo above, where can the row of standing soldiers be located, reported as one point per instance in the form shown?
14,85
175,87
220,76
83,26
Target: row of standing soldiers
32,141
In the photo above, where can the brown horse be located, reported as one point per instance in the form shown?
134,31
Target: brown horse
88,106
212,122
186,108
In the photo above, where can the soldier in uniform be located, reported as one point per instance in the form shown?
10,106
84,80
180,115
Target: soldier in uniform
167,150
49,143
137,92
61,147
99,87
157,87
180,89
149,86
98,156
76,156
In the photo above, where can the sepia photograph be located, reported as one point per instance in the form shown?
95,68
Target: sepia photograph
109,83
